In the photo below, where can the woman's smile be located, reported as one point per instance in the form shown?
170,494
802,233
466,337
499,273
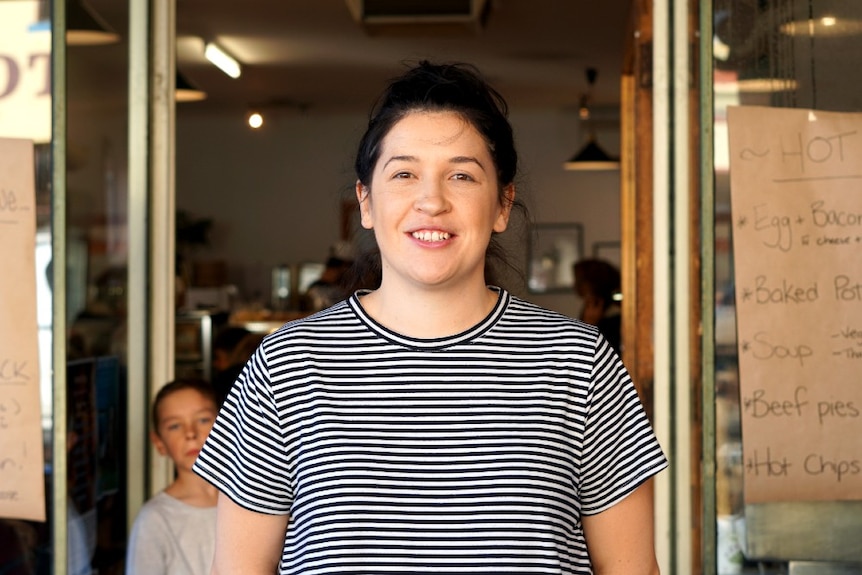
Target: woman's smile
431,236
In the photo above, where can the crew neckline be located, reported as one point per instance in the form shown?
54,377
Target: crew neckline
436,343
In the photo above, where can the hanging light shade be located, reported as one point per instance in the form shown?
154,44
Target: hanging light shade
592,157
185,91
84,27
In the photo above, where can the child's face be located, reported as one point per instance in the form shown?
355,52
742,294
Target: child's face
185,420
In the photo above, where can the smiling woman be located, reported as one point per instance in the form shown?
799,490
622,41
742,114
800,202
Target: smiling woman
432,422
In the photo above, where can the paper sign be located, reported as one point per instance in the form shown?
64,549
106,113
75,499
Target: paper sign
22,475
796,196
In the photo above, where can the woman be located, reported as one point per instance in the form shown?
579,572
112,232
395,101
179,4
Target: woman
434,423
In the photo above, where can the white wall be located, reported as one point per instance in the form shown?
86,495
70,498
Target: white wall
274,194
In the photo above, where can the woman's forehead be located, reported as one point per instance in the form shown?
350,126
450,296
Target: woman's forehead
435,128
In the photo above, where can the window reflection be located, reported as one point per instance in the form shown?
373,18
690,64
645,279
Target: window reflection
96,289
777,53
95,250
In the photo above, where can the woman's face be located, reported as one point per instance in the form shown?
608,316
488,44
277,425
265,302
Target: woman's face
434,201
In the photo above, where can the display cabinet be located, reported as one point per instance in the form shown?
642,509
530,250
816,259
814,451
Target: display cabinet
194,344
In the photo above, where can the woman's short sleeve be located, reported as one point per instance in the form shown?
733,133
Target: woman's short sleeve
620,448
245,455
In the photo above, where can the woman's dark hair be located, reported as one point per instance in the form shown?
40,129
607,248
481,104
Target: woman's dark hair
451,87
200,385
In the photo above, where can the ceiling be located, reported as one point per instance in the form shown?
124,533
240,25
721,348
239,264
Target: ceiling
313,54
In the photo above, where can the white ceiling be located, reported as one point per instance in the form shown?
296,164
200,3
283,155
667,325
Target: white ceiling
314,54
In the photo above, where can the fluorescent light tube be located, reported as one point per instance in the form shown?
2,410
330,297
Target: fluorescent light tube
222,60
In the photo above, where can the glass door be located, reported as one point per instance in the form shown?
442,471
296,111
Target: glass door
787,54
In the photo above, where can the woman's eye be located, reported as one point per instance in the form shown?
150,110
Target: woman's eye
464,177
401,175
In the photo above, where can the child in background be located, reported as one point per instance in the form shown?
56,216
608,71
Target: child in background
174,533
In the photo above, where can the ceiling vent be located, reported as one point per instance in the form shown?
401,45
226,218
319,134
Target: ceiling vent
420,17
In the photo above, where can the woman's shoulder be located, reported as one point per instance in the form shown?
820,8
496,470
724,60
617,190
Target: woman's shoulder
532,314
322,319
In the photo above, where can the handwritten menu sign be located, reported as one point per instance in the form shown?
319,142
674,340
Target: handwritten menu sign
22,483
796,196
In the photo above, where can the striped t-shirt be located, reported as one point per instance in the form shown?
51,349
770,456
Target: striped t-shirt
475,453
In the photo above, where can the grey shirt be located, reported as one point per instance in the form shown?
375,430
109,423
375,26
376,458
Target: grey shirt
172,538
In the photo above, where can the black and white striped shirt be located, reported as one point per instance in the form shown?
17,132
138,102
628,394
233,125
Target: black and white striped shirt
475,453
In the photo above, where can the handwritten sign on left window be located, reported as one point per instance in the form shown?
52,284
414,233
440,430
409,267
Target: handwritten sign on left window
22,483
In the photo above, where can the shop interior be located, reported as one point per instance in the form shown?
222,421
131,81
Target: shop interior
260,207
259,211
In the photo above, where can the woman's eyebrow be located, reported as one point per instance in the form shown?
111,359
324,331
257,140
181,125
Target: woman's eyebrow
400,159
467,160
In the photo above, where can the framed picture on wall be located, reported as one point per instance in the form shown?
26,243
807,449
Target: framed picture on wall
551,252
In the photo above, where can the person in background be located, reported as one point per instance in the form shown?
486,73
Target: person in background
329,288
224,344
174,532
226,366
431,422
224,379
597,283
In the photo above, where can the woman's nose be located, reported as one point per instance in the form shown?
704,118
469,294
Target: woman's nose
432,198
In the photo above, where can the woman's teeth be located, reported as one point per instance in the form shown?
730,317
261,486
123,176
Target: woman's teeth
431,236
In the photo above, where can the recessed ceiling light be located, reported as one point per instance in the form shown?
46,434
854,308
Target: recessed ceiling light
255,120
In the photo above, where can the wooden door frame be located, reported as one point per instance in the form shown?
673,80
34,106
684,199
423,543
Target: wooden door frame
638,238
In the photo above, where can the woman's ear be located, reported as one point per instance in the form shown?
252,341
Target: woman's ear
363,196
508,200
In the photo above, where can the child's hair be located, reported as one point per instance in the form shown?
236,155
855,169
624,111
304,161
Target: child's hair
201,386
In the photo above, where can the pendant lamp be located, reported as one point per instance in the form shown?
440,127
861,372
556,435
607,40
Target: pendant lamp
185,91
592,157
84,27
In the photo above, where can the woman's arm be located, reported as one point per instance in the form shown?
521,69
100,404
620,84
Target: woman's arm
620,539
247,542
